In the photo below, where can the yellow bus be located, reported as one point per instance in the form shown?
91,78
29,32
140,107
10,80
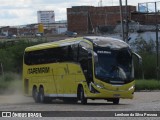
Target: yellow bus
80,68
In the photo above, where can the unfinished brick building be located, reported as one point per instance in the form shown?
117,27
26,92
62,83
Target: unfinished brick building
146,18
86,19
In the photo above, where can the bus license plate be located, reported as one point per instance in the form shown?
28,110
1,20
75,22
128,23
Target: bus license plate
116,95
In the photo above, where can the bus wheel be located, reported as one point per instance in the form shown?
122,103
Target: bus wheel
42,98
35,95
83,99
41,95
116,101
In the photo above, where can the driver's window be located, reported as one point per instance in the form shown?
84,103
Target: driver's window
85,59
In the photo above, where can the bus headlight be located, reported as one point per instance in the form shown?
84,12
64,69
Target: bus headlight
99,86
132,87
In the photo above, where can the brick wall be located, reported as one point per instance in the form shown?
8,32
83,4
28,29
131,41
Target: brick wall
144,18
81,17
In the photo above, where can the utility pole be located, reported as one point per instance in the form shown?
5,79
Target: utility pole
126,10
101,3
2,71
121,17
157,44
156,32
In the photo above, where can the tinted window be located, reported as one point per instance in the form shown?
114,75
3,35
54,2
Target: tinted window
114,66
74,52
52,55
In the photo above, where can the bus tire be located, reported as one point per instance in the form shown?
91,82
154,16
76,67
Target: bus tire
116,101
35,95
83,99
41,95
42,98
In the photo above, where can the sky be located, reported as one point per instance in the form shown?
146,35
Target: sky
21,12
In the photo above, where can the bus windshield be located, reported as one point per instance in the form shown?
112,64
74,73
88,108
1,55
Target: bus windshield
114,66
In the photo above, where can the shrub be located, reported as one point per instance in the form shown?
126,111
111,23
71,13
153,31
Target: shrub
147,84
11,56
146,49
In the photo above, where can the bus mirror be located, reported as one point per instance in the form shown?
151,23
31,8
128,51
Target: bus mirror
89,55
95,57
139,58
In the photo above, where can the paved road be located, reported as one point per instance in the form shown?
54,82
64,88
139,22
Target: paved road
143,101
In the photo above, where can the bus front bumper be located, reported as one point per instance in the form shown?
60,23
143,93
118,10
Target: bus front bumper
104,94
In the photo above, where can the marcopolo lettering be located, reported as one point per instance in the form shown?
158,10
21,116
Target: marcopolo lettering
38,70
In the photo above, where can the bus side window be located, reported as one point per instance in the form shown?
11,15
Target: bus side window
85,59
83,55
74,54
52,55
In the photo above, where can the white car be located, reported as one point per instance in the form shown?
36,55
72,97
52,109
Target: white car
38,35
71,34
14,36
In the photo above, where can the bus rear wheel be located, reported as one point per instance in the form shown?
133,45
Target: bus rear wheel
42,98
35,95
83,99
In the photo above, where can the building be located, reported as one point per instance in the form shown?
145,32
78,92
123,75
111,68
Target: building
146,18
89,19
46,17
55,28
32,29
7,31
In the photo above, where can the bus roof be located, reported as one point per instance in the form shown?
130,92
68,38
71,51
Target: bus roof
113,43
97,40
53,44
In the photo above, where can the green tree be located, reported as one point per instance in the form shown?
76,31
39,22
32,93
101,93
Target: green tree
147,51
142,45
11,55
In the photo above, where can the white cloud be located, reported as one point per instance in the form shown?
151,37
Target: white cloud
18,12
